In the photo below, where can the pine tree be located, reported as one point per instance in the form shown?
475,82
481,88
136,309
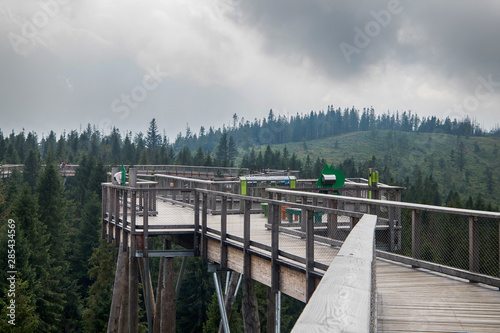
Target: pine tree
53,215
222,152
231,151
98,302
153,138
195,296
32,168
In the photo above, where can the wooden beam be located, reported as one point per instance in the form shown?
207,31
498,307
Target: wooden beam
145,220
159,287
415,233
392,234
118,290
223,232
204,212
104,211
473,244
111,193
124,310
246,239
124,220
276,219
133,295
310,281
196,241
332,220
168,302
117,218
343,299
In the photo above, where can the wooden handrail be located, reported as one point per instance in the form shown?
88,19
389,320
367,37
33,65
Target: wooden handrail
388,203
344,299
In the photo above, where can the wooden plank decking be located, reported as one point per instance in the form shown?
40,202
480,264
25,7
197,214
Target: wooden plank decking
416,300
409,299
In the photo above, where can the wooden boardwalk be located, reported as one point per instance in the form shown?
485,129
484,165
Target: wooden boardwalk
409,299
416,300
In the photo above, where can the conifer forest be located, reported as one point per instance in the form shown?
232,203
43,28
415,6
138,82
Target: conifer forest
66,271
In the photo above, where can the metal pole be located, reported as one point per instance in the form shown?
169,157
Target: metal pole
236,291
228,275
277,319
179,279
220,299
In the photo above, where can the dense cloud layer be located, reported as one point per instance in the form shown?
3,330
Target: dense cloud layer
66,63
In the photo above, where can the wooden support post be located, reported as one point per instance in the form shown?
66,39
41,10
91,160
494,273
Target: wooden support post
250,310
310,282
213,198
271,310
303,214
168,302
111,213
332,221
196,222
117,218
159,287
415,233
223,233
132,177
133,296
124,310
180,277
124,220
392,234
118,290
275,213
473,244
133,281
204,212
152,199
276,219
398,221
145,218
246,239
104,211
133,219
147,288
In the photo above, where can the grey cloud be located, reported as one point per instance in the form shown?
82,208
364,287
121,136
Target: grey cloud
457,38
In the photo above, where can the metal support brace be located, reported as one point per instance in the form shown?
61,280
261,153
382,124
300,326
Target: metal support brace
220,299
277,320
237,288
179,279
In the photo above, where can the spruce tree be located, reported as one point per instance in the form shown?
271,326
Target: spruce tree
98,302
32,168
53,215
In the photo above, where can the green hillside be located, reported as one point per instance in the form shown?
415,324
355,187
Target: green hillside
465,164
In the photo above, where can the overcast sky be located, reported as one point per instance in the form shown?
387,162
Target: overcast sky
66,63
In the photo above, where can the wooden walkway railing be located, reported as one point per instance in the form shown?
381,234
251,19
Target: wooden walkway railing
344,300
134,214
417,237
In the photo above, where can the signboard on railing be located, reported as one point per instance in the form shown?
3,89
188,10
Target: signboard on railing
266,181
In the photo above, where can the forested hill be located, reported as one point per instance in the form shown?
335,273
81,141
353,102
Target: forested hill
457,154
466,165
277,129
